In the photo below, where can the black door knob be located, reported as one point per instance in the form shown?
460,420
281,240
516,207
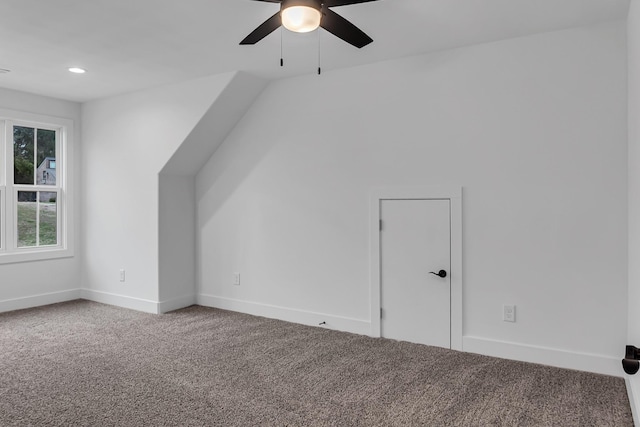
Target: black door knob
440,273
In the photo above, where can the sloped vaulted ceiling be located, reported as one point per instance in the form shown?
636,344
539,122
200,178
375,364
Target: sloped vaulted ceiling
129,45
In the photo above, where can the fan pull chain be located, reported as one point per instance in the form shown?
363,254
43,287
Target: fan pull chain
319,69
281,59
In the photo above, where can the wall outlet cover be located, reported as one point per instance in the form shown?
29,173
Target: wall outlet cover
509,313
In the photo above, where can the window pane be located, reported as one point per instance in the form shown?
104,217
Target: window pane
48,218
46,172
27,218
23,145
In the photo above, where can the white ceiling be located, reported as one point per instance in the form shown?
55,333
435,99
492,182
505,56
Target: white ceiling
128,45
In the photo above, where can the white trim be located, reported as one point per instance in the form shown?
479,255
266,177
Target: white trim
3,221
589,362
310,318
35,254
452,193
123,301
38,300
41,120
3,189
633,391
9,253
176,303
3,138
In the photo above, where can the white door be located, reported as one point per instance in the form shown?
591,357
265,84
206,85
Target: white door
415,243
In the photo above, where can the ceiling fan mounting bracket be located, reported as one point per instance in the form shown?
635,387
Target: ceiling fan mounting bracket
316,4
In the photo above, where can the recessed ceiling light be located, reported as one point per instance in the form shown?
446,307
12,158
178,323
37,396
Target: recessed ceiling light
77,70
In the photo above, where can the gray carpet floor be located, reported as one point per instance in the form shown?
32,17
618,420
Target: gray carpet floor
87,364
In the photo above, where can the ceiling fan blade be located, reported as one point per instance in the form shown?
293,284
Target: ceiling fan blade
340,27
266,28
332,3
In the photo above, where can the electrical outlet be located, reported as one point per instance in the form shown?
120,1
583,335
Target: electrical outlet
236,279
122,276
509,313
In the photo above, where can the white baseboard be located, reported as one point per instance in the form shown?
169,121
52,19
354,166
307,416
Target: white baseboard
147,306
38,300
339,323
123,301
176,303
633,391
544,355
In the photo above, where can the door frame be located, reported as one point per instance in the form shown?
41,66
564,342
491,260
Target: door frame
454,195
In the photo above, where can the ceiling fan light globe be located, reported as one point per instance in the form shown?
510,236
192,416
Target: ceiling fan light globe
301,19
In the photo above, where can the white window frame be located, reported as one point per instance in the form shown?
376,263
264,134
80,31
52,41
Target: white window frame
9,250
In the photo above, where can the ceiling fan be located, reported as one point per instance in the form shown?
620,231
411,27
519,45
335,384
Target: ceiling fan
302,16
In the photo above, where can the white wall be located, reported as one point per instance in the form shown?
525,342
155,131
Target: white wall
128,139
633,328
41,282
177,218
177,241
533,128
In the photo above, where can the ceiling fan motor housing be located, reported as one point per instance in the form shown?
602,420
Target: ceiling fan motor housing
315,4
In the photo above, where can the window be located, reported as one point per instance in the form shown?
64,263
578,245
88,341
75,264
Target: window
35,202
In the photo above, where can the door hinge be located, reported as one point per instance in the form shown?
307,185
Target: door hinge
380,225
381,312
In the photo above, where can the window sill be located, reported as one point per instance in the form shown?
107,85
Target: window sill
39,254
